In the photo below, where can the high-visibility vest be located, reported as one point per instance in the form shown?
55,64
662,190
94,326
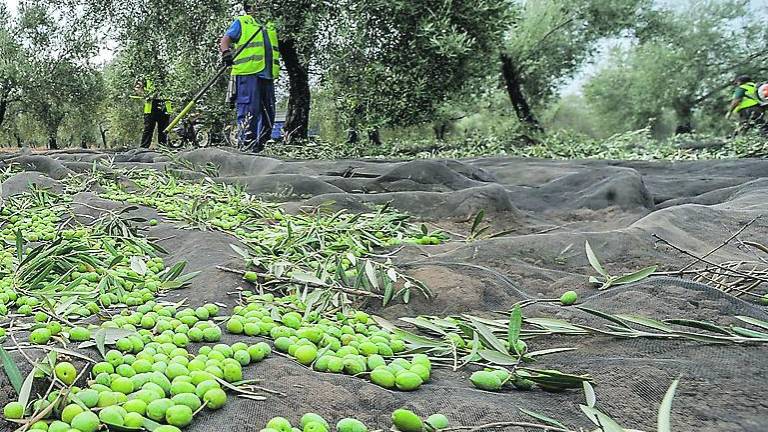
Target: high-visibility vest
253,60
150,94
750,98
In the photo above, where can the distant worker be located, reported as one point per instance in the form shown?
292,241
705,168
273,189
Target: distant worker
157,112
254,71
746,103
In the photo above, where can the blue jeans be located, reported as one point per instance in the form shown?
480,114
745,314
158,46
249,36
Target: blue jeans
255,111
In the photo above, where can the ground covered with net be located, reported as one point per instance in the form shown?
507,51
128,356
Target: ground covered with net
482,236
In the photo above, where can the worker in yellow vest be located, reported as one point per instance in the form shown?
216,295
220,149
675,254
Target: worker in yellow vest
746,103
157,112
254,72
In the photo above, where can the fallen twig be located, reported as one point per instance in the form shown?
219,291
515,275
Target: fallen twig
704,260
506,424
723,244
272,280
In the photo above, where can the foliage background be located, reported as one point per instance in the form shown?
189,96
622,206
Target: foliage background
429,74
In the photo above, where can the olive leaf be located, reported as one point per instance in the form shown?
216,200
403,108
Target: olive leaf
138,265
702,325
601,420
593,261
749,333
665,411
498,358
608,280
306,278
634,277
26,388
589,394
106,336
647,322
515,324
543,418
540,353
487,336
11,370
755,322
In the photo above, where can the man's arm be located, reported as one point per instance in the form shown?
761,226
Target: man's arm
225,44
734,103
738,96
230,37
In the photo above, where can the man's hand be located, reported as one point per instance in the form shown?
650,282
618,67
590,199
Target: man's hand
728,115
227,59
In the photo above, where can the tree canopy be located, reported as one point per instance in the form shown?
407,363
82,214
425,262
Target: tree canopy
67,67
46,74
683,66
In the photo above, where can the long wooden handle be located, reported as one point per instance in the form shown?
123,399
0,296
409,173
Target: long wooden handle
196,98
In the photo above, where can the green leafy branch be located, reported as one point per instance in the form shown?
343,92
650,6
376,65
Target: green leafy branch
603,421
607,280
462,340
364,278
478,231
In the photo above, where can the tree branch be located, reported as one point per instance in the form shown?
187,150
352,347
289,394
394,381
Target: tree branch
727,84
552,31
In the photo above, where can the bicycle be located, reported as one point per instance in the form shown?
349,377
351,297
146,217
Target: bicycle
194,131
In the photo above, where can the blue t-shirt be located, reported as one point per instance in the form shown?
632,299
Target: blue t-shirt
234,33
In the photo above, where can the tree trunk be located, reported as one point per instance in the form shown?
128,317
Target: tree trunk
440,129
6,93
53,142
53,124
297,118
374,137
103,133
684,119
515,90
3,109
352,136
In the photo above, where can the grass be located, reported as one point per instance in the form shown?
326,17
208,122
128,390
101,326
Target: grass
636,145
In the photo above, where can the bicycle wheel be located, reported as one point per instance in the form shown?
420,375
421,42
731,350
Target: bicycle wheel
176,143
230,136
203,138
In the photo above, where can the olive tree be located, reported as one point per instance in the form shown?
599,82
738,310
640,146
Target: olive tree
683,64
13,62
54,75
552,39
395,63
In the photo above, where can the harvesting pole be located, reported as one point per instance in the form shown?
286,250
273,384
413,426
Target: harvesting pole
209,84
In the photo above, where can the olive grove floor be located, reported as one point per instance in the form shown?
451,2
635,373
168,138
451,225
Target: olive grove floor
548,209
